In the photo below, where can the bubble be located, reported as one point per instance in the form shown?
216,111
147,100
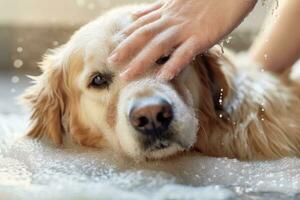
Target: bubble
15,79
20,49
18,63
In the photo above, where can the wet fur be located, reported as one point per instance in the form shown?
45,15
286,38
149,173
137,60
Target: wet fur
258,117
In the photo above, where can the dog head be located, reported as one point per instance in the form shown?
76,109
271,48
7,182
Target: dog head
80,94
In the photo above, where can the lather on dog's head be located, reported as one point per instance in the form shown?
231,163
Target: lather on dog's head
80,94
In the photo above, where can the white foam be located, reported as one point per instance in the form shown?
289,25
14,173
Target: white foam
33,170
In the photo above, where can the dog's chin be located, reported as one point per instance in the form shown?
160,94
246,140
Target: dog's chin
163,151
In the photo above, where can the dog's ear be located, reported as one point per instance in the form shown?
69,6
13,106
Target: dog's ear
211,75
46,99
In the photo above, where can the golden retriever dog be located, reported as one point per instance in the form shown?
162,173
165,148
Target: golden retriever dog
216,106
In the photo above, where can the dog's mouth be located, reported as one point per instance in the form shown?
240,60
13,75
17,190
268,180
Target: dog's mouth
158,145
162,148
156,141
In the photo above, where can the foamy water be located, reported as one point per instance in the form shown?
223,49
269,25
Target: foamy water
34,170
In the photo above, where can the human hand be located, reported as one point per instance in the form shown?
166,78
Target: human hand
189,26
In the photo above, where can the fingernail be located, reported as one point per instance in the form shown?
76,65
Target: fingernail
164,76
113,58
124,74
138,12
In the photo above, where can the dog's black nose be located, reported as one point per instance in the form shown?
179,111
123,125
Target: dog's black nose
151,116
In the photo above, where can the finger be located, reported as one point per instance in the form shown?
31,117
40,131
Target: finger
159,46
129,47
141,22
147,10
181,57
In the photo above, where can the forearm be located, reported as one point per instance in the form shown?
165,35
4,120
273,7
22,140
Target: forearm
278,47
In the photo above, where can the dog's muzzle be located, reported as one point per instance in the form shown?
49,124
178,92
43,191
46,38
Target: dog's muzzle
151,117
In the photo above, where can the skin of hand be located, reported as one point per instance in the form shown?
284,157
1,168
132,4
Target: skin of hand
278,46
183,27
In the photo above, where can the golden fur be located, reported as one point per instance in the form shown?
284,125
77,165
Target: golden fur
240,112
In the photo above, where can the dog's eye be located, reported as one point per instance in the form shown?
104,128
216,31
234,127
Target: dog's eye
162,60
99,81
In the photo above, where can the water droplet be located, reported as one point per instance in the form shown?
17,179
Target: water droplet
262,119
15,79
228,39
265,56
221,45
18,63
220,115
20,49
262,70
